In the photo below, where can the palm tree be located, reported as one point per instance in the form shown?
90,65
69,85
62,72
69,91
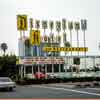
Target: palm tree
4,47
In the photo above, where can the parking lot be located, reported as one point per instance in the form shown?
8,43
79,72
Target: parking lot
59,90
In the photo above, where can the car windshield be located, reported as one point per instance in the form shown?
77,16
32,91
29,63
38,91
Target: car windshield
5,80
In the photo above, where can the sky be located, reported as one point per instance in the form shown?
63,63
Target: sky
51,10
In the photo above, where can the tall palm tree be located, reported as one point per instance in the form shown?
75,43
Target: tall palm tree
4,47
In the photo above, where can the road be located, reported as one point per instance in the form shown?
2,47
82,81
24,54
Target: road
51,91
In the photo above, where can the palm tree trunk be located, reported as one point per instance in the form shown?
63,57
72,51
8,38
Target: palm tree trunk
4,52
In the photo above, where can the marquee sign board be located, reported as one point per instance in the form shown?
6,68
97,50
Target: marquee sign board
57,49
43,60
35,37
70,25
51,25
84,24
37,24
77,25
58,26
31,23
64,24
44,24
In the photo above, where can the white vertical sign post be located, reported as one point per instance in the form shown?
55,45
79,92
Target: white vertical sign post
31,26
51,26
77,27
84,28
37,26
70,27
22,26
99,49
58,29
44,26
65,40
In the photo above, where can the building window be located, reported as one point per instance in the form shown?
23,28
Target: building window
35,68
56,67
62,68
28,69
49,68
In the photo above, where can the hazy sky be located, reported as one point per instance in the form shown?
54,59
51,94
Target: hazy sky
50,9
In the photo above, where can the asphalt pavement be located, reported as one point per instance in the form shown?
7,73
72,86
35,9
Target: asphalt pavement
49,91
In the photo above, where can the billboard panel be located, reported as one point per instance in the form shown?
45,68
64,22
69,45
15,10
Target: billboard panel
35,37
58,49
22,23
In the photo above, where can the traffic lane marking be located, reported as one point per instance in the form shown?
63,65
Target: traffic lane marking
63,85
70,90
96,90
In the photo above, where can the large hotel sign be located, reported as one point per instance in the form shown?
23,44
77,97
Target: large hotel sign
35,37
22,23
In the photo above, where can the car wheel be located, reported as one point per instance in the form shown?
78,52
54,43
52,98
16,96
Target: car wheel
10,89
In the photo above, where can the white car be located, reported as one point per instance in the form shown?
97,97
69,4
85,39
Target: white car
7,83
30,76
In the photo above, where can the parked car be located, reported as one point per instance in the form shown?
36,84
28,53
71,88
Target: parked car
7,83
52,76
30,76
40,75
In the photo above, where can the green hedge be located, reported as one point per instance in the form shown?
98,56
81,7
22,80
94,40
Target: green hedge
26,81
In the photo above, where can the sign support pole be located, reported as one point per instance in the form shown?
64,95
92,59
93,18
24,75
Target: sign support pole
45,65
52,56
70,26
84,27
84,51
31,26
